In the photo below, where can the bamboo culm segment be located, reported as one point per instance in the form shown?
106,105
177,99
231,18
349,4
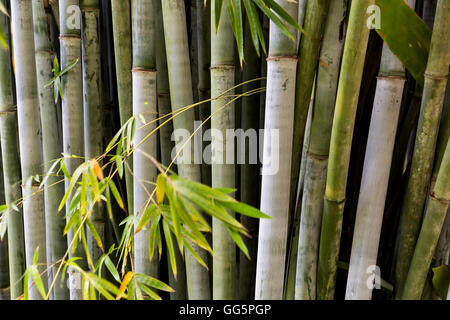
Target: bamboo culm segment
166,143
29,135
121,18
320,132
51,144
72,118
177,52
314,25
341,140
437,208
143,17
436,76
11,169
223,175
275,188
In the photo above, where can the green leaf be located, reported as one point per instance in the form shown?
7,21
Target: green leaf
244,209
238,240
160,188
38,280
94,233
116,193
217,12
406,34
112,269
170,248
153,283
441,280
146,217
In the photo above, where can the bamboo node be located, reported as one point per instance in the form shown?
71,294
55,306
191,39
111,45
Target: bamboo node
443,201
221,66
143,70
337,202
435,77
317,156
278,58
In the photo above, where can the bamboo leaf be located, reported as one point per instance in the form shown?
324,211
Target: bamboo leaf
170,248
406,34
145,218
152,282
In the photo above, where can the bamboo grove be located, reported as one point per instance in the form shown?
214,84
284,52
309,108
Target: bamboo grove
224,149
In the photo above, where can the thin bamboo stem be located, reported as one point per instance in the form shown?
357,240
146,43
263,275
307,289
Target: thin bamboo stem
341,141
436,76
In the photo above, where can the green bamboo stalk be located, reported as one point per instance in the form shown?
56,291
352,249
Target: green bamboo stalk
11,168
341,140
275,189
377,164
121,18
145,105
204,76
436,76
314,25
51,144
4,263
249,171
177,52
92,100
222,174
29,135
72,112
317,154
432,225
166,143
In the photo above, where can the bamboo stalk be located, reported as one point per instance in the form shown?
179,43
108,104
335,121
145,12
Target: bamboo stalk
51,143
29,135
166,143
54,4
11,168
316,13
145,105
204,76
377,163
193,46
341,140
121,18
4,263
436,76
223,175
177,51
93,139
275,190
72,113
249,171
436,211
317,154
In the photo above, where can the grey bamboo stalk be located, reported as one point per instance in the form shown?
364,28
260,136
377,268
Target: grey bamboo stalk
11,168
204,78
375,178
166,143
143,15
222,174
314,25
93,139
51,143
276,171
194,49
177,52
317,154
431,228
4,267
340,145
72,109
121,19
436,76
249,192
29,135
